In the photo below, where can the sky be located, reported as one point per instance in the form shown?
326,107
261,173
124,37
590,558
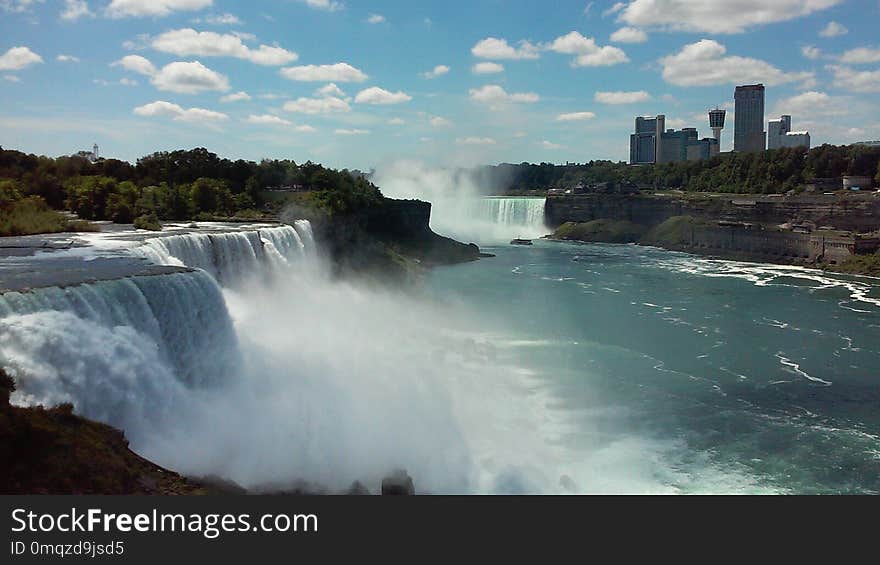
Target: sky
361,83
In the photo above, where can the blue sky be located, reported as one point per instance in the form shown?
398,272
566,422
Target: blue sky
359,83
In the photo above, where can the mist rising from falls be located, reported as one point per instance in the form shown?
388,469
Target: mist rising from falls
284,375
460,206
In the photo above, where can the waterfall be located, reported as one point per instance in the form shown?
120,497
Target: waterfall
489,220
523,213
122,351
231,257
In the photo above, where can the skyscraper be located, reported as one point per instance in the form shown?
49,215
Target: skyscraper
749,134
646,144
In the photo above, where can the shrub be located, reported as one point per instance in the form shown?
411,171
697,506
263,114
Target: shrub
148,222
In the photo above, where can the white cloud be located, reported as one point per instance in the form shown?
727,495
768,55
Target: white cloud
813,103
268,119
220,20
396,122
67,58
618,6
715,16
575,117
861,56
153,8
18,6
312,106
381,97
186,42
487,68
326,5
338,72
833,29
124,81
75,9
811,52
620,97
475,141
11,78
331,90
587,52
494,94
705,63
437,71
629,35
376,19
550,145
136,64
438,122
18,58
161,108
855,81
494,48
236,97
351,132
189,78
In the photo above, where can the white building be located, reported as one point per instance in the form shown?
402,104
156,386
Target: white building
779,135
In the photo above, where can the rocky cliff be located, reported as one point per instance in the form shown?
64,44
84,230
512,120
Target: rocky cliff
391,240
856,212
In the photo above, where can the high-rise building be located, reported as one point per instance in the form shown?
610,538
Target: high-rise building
749,134
646,144
779,134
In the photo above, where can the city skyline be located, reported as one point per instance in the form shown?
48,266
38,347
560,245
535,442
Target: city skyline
358,85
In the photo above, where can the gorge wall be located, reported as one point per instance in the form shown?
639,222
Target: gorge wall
744,228
858,213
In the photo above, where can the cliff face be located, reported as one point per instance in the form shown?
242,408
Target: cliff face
859,213
392,240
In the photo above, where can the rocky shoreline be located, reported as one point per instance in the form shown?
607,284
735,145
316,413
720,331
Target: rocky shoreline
835,233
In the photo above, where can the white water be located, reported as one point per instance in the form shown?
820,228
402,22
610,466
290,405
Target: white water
287,375
460,207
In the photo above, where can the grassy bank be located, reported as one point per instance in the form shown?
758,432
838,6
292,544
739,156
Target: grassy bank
607,231
32,215
859,265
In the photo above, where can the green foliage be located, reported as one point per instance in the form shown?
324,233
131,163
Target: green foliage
148,222
31,215
177,185
10,192
610,231
768,172
860,265
673,232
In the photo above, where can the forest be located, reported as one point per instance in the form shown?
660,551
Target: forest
178,185
770,172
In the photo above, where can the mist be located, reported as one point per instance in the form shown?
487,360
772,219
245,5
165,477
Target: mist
460,207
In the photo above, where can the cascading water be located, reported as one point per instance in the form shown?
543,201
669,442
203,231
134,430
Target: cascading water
230,257
122,351
276,378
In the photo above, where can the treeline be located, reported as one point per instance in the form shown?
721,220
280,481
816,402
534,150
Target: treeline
176,185
768,172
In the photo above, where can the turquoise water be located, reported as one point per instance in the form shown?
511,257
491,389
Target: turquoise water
739,377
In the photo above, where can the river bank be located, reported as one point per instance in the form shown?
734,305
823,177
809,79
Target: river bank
833,232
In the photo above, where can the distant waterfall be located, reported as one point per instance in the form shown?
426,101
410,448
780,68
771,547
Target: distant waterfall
524,213
488,220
